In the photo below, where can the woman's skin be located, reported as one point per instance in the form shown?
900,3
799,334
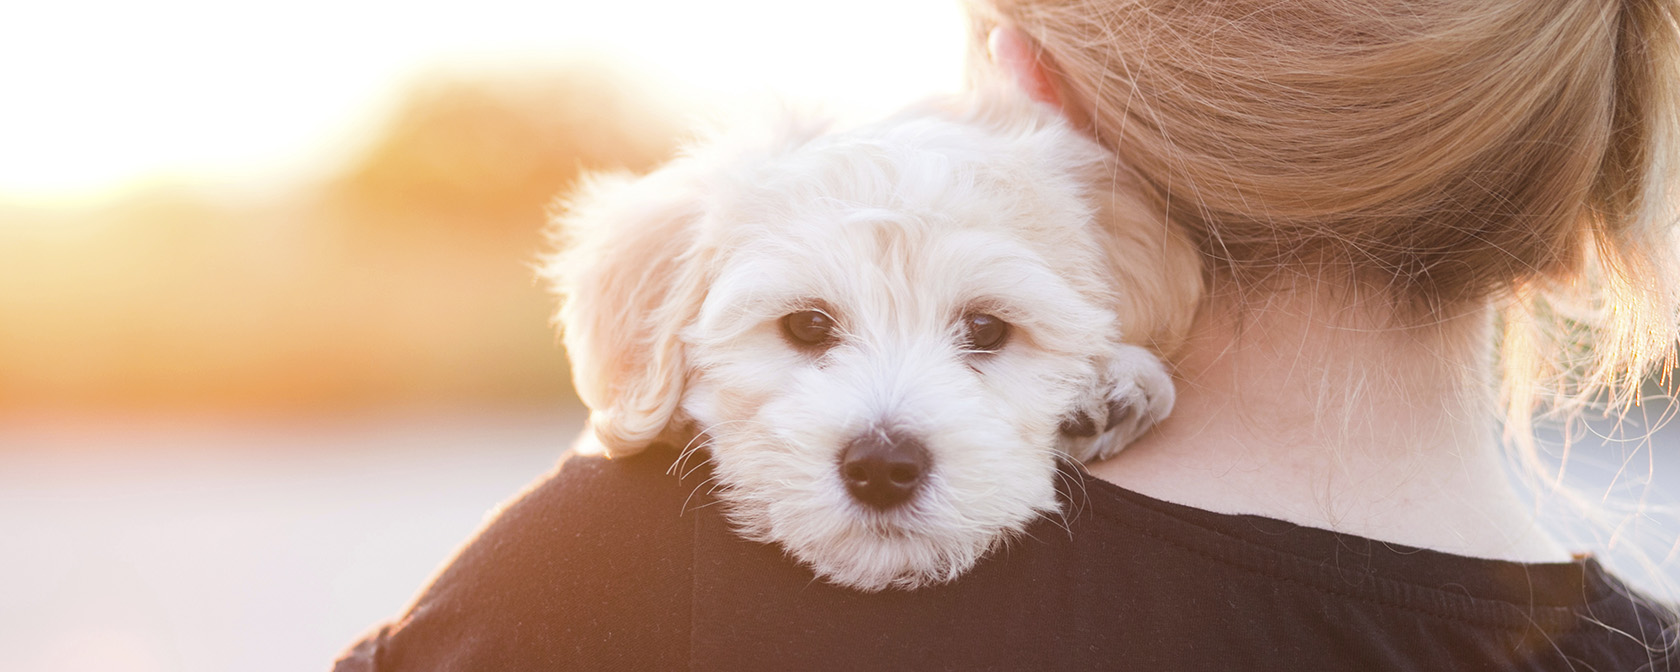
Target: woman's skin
1324,414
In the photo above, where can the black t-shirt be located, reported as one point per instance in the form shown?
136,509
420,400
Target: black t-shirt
615,565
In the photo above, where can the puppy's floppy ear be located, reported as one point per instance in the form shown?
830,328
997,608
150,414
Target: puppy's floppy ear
630,275
1152,259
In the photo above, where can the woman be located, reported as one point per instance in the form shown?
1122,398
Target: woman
1383,190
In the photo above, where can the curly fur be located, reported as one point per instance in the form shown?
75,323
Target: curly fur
674,283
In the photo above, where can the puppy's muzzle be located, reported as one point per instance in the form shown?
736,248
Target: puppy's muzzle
884,468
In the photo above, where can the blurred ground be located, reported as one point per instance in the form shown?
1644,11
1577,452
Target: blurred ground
152,546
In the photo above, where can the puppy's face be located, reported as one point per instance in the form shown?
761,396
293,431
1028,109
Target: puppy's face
883,339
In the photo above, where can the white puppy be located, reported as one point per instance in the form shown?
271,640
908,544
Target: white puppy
886,336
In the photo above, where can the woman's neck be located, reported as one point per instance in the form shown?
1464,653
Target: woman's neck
1313,409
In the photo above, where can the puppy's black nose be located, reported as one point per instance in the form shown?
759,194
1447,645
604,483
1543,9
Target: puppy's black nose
883,469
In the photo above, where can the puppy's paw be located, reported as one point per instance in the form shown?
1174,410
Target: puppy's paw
1135,392
1141,395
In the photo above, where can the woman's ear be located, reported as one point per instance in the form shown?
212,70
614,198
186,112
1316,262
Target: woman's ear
1033,71
1018,57
630,276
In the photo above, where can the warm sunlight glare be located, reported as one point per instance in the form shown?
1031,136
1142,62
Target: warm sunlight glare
101,94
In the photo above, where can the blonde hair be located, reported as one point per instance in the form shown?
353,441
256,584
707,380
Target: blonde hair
1512,152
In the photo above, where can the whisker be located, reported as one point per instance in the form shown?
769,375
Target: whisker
690,471
690,497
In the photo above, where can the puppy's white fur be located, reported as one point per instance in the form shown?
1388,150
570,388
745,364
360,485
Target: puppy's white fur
674,285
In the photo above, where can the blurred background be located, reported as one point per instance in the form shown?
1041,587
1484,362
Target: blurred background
271,345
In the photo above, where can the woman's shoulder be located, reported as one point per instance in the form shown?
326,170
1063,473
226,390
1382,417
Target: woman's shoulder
590,564
593,517
586,491
618,564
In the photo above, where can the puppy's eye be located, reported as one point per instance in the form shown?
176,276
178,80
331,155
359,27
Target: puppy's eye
986,333
808,328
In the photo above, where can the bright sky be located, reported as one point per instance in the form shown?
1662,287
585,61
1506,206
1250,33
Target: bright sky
95,94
